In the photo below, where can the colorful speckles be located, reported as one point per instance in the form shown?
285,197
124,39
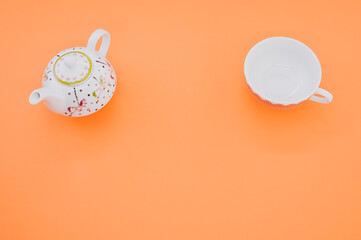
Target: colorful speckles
85,96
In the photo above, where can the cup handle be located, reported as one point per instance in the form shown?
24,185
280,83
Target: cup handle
326,96
94,38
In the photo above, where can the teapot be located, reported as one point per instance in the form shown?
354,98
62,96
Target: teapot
78,81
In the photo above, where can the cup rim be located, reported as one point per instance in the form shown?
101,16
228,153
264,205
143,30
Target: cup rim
273,101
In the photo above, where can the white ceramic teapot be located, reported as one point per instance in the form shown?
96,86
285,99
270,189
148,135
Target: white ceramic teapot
78,81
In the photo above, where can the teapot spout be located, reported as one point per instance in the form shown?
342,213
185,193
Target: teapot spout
37,96
53,98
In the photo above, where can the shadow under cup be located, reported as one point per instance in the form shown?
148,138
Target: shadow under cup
283,73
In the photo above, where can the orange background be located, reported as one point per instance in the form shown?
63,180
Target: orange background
182,151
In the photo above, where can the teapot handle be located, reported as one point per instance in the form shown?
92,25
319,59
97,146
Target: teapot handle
94,38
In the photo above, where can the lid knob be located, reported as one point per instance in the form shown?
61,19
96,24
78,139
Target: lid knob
70,61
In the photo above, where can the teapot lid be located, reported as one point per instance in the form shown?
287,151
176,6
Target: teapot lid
72,68
75,66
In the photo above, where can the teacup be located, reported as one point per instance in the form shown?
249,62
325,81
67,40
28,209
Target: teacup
284,73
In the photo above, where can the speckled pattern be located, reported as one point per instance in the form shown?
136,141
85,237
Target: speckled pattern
90,95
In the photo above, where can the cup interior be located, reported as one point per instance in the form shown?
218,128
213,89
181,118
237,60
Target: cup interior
282,70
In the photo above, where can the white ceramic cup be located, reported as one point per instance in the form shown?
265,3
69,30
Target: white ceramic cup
283,73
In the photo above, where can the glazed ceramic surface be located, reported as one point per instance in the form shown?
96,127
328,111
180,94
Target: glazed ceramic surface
78,81
283,73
